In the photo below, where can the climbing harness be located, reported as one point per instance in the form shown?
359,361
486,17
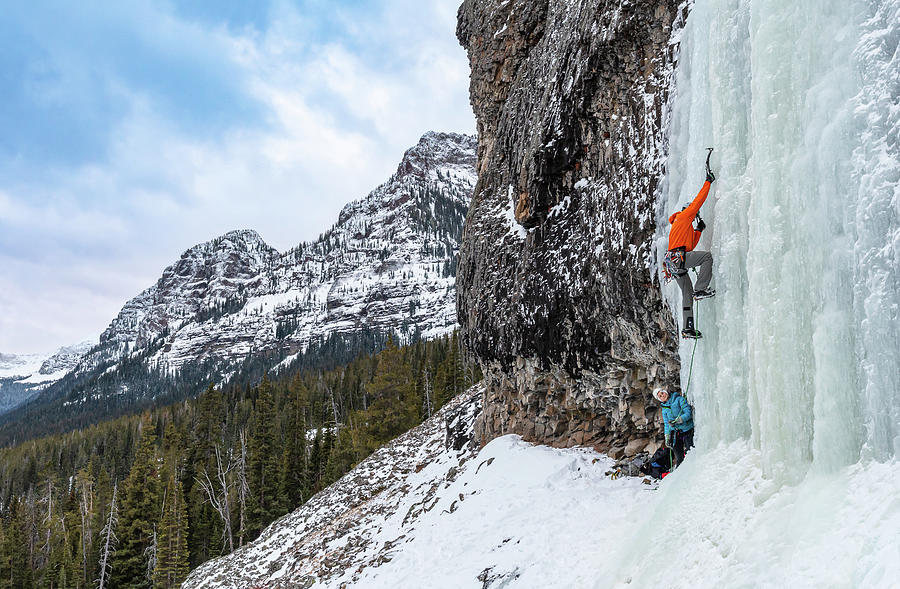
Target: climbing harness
673,264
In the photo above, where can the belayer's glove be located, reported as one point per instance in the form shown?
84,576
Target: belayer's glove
677,421
700,224
710,177
670,441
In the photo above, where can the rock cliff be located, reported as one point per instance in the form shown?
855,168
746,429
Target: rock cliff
557,295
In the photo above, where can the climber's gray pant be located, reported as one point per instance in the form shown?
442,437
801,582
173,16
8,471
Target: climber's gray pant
692,260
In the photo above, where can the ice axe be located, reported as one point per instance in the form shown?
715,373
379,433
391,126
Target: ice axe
710,177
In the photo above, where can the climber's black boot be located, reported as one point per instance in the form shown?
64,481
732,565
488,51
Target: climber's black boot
704,294
689,331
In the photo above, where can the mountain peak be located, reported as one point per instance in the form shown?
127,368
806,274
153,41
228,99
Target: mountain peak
245,239
65,358
393,251
439,152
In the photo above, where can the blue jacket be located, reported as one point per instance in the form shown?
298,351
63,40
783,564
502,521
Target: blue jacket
677,406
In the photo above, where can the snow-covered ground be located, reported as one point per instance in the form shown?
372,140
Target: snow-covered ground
718,522
420,514
518,516
532,516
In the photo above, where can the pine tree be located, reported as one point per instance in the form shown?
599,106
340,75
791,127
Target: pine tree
172,552
140,510
263,463
394,408
349,449
292,471
204,435
17,573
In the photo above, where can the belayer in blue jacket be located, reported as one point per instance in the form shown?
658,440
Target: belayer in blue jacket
678,421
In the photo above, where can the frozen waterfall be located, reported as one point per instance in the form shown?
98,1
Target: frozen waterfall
801,348
796,382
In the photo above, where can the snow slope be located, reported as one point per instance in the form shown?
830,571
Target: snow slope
421,514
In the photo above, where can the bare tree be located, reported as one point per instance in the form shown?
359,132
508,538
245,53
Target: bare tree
427,405
150,552
243,488
108,533
48,522
334,410
219,495
86,509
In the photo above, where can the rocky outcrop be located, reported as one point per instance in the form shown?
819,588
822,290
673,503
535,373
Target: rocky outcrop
556,290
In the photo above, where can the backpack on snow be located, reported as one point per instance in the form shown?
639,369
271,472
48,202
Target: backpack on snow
658,464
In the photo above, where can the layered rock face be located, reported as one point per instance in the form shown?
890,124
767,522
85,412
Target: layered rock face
556,290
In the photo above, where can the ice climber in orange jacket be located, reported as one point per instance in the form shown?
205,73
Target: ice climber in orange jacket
683,239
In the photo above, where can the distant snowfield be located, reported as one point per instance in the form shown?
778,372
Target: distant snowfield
20,366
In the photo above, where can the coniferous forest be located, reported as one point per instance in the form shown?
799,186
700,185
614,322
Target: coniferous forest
138,501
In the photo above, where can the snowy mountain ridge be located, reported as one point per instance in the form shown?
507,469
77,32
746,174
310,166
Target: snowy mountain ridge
22,377
42,367
386,266
388,253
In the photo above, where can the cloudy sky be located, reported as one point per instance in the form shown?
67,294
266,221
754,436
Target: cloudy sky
130,131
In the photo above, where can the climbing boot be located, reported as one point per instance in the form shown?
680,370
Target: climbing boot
689,331
704,294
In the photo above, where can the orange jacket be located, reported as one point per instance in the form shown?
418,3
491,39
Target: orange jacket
682,233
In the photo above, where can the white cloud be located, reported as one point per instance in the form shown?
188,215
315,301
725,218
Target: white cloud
337,118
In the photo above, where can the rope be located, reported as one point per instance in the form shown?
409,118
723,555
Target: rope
696,326
696,309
